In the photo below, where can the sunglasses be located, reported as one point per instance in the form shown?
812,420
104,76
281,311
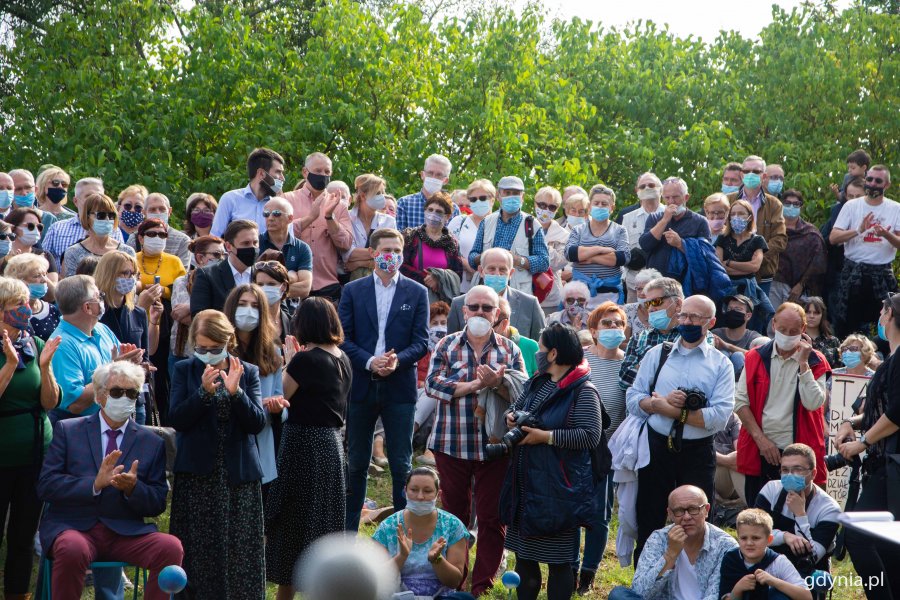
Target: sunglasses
59,183
484,307
159,234
270,264
133,207
104,215
578,301
852,349
32,226
757,171
479,198
272,213
612,323
656,302
8,236
877,180
200,350
545,206
118,392
644,186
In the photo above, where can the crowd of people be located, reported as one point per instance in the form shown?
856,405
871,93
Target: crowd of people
524,372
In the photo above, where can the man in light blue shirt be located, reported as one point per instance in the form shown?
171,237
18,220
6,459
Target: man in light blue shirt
265,168
686,402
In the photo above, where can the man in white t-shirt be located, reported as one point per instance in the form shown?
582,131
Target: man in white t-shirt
649,191
869,229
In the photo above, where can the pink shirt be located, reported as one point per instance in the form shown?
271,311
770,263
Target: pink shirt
325,246
432,257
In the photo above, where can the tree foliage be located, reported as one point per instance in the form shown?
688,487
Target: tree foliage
148,91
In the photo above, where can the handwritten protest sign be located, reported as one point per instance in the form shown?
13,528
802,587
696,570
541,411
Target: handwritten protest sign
845,389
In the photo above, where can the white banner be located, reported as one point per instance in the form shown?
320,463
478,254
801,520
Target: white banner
845,389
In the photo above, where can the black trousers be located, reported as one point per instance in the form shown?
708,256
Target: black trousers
694,465
754,483
560,580
18,501
874,559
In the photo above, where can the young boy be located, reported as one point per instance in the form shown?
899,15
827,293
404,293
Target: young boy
858,162
753,571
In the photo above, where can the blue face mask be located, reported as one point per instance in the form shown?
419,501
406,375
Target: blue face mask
738,224
102,228
774,186
212,358
730,189
752,181
790,212
5,246
611,338
599,213
511,204
881,332
480,208
497,283
793,483
6,197
574,222
25,201
851,359
37,290
690,333
659,319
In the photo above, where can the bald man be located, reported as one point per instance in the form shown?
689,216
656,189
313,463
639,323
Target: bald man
278,214
681,561
681,430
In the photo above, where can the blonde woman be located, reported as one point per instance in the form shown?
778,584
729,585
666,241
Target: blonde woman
99,219
715,208
52,191
464,227
365,217
32,270
547,202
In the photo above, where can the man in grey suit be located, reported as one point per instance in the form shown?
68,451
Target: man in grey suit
495,268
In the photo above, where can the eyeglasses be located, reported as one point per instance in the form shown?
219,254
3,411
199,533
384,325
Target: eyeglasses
644,186
159,234
693,318
117,392
203,211
479,198
545,206
656,302
127,274
133,207
32,226
8,236
786,203
797,470
578,301
877,180
272,213
757,171
270,264
200,350
104,215
851,349
60,183
500,318
436,211
484,307
215,255
610,323
691,510
716,214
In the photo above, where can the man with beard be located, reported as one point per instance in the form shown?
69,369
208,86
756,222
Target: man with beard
265,168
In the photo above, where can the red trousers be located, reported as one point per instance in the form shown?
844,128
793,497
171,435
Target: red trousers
74,550
456,498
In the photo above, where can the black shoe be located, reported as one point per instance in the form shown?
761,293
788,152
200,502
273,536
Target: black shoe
585,581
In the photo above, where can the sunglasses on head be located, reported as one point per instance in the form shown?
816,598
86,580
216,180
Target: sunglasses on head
272,213
32,226
271,264
133,207
159,234
118,392
104,215
484,307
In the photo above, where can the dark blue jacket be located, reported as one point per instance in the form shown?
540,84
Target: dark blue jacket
548,489
70,468
195,424
406,332
703,271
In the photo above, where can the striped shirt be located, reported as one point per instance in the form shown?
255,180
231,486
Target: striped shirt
615,237
457,432
605,377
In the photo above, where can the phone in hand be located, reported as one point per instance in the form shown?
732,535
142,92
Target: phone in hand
156,279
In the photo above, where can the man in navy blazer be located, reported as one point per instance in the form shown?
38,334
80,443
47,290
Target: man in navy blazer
214,282
385,320
101,477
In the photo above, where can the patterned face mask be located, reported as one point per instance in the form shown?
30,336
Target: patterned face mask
388,261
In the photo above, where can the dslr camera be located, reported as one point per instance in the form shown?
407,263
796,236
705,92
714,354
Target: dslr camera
695,399
836,461
513,436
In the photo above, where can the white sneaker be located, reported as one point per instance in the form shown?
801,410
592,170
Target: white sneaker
126,582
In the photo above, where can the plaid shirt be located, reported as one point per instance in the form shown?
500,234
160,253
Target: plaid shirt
63,234
505,235
638,346
411,211
456,431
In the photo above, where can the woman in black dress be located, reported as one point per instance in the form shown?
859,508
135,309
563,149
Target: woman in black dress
308,500
740,249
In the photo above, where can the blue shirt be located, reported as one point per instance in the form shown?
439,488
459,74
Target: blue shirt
239,204
703,368
504,237
297,253
269,385
411,211
77,357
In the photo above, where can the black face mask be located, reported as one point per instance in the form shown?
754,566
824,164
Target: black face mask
246,255
318,182
873,191
732,319
56,195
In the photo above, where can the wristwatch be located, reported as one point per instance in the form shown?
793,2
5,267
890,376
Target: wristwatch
862,438
521,261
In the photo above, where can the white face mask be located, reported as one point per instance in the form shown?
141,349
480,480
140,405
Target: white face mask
786,342
680,210
273,293
153,246
119,409
648,194
421,508
478,326
30,238
376,202
432,185
246,318
164,217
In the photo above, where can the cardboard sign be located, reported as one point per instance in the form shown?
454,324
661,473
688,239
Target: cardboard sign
845,389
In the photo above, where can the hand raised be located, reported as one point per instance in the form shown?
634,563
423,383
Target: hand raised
49,350
404,540
233,378
9,351
209,378
436,548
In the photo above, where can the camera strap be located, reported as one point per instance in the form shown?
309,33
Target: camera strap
673,443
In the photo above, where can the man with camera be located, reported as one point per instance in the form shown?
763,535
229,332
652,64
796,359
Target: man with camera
805,517
685,390
780,400
462,364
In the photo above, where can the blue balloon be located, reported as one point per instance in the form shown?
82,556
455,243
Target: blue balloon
511,580
172,579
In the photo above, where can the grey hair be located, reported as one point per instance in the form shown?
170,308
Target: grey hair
15,172
650,174
667,285
506,254
483,289
602,189
313,156
86,181
158,196
440,159
73,291
122,368
338,184
678,181
756,158
576,286
647,275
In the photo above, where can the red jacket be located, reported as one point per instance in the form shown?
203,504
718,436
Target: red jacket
809,425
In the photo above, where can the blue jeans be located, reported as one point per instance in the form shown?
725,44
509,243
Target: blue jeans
140,414
398,429
595,538
624,593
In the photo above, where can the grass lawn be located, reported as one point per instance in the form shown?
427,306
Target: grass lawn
609,575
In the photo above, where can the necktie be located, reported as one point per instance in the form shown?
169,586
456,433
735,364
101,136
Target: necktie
111,444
